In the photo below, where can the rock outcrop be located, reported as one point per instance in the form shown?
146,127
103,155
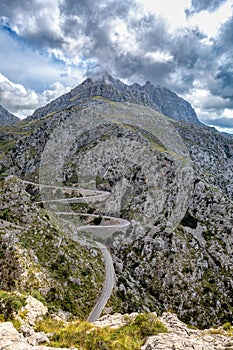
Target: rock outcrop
11,339
34,310
180,337
26,338
39,256
6,118
170,104
166,178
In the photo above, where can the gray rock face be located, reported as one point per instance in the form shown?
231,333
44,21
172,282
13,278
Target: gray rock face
35,310
212,154
170,104
158,98
6,118
104,86
10,339
180,337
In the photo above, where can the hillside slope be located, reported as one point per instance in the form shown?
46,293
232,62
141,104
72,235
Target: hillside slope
39,256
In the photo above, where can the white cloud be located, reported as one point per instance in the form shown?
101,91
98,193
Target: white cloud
221,129
210,22
159,56
15,97
122,37
228,113
172,11
42,17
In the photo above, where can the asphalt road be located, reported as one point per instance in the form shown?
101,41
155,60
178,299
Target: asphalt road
100,231
108,286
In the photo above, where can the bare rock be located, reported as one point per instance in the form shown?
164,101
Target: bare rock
10,339
38,338
35,310
26,330
182,338
6,118
114,321
8,331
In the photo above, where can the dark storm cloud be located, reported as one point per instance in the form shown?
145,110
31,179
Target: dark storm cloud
224,40
90,22
32,21
151,35
187,48
223,79
217,104
133,66
94,22
202,5
85,8
221,122
87,16
11,8
223,82
118,37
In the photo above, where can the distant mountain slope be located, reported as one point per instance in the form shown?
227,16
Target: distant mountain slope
158,98
6,118
170,104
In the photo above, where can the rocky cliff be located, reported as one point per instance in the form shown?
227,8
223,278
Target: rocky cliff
6,118
170,104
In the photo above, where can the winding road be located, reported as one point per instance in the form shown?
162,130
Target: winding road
99,231
108,287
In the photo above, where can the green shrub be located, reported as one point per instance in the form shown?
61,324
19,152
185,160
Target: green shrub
97,220
87,337
38,296
227,326
189,221
4,214
10,304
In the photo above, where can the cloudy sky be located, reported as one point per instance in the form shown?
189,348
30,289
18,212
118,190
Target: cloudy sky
48,47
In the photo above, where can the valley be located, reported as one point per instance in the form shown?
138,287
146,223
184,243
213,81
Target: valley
102,166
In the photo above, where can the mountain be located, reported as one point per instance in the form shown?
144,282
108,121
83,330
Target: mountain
170,104
105,85
6,118
172,180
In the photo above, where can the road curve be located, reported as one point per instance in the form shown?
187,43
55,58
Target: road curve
100,231
108,287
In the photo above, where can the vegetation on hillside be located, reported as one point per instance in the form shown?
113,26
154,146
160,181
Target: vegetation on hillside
85,336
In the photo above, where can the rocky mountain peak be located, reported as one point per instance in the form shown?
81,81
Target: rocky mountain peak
6,118
106,79
103,84
170,104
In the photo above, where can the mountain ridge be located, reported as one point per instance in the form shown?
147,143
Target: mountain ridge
7,118
156,97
